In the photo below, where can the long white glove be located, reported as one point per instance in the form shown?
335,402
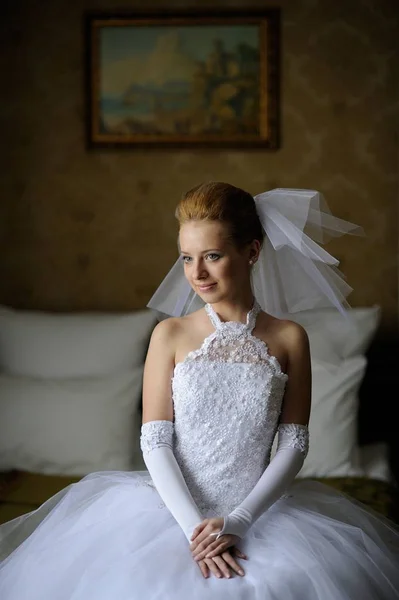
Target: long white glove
157,446
292,448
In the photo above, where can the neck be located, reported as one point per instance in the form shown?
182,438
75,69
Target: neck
235,309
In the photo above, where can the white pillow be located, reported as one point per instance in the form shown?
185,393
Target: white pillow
332,338
71,427
40,344
333,420
338,366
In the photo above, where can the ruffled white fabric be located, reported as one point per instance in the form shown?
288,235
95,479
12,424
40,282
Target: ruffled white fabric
109,537
293,272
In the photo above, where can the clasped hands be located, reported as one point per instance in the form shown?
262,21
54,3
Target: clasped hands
215,555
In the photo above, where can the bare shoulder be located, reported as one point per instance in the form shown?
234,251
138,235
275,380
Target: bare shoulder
158,371
162,341
293,334
297,395
165,329
170,330
285,334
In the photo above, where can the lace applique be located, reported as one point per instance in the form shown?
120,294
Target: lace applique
233,342
147,482
229,348
155,434
227,400
291,435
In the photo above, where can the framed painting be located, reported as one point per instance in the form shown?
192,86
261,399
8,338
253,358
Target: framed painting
183,79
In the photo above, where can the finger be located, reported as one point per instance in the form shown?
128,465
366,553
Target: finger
213,549
202,546
198,530
220,545
213,567
239,554
201,537
217,550
205,549
223,566
227,557
204,569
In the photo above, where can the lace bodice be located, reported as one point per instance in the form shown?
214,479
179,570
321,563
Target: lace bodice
227,398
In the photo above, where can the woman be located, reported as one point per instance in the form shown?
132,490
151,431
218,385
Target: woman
219,383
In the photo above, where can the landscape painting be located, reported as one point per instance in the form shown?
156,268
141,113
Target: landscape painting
182,81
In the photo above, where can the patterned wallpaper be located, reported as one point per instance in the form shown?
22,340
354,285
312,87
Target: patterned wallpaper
95,229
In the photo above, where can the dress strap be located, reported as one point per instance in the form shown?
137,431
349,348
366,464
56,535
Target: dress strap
252,315
213,316
250,320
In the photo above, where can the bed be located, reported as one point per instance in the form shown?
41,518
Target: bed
70,404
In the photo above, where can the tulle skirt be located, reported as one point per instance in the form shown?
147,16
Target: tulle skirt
109,537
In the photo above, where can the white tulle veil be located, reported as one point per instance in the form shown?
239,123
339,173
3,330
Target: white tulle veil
293,274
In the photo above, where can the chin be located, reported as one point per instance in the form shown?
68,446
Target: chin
213,297
219,295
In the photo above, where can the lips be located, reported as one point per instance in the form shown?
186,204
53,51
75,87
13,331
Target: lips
206,288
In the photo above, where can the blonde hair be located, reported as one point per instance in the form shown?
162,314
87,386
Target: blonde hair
218,201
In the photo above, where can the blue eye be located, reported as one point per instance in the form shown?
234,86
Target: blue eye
213,256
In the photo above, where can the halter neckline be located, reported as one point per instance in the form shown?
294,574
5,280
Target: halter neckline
250,318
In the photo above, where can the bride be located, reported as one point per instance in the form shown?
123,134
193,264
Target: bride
216,517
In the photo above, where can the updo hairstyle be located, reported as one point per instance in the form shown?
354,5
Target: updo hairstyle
217,201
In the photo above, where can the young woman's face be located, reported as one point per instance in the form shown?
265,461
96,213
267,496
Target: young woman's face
214,267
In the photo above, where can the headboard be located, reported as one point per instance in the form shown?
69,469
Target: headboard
378,396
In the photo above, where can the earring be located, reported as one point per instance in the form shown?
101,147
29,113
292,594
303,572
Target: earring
251,262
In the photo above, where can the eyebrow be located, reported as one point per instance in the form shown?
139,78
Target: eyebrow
204,251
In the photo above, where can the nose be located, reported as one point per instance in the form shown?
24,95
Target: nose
199,271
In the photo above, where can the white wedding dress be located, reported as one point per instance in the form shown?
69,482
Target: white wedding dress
109,537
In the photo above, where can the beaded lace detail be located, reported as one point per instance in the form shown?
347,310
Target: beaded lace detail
227,398
155,434
291,435
233,342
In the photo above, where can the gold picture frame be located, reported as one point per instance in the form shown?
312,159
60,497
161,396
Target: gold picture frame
183,79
